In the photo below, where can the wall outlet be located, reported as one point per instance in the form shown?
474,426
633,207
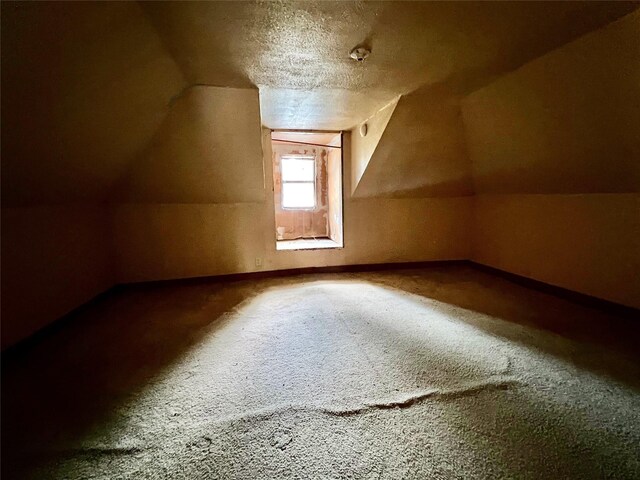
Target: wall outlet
258,262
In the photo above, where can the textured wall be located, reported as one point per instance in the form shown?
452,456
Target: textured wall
156,241
566,123
587,243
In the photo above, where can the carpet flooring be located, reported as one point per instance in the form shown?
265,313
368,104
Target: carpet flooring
438,373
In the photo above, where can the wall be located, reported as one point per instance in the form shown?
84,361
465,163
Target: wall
335,194
302,223
422,152
84,87
588,243
555,148
163,241
54,258
364,147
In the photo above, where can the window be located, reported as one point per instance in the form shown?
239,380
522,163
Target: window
298,182
307,189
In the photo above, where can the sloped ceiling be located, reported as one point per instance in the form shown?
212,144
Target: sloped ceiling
567,122
422,151
297,53
207,150
87,85
365,142
84,87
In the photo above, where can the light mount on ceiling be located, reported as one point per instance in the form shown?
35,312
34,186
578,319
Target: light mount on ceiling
359,54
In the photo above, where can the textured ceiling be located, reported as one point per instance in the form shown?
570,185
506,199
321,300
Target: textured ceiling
87,85
297,53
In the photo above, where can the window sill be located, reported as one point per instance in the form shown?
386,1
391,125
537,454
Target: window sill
306,244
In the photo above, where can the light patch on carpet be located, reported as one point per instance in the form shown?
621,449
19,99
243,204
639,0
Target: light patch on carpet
352,379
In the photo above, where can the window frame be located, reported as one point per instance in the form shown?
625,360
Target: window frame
314,181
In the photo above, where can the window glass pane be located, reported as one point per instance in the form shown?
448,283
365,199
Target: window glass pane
298,195
297,169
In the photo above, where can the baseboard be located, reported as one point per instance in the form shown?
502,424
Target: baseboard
564,293
570,295
58,324
63,321
232,277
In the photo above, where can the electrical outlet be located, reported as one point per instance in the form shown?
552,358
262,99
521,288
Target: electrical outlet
258,262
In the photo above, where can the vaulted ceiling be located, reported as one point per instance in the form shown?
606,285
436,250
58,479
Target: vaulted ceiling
87,87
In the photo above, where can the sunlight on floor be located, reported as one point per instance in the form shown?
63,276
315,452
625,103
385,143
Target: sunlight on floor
345,363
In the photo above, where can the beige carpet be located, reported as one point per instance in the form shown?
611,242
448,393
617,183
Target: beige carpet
361,376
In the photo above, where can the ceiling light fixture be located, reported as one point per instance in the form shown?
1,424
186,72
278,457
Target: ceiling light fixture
359,54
